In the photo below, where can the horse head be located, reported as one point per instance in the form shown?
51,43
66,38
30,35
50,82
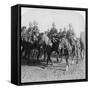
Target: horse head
46,39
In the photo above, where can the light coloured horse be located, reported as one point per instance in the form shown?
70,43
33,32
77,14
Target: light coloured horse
65,50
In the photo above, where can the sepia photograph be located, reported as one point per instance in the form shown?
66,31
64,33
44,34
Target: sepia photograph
53,44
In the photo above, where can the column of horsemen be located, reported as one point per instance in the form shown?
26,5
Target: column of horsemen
64,43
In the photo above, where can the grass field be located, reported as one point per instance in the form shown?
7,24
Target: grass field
39,72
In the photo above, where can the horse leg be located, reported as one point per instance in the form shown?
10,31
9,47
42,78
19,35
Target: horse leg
73,54
38,55
61,59
67,63
57,56
44,55
77,57
61,54
82,54
48,58
22,50
72,57
27,53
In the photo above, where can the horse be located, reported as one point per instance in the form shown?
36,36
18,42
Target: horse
24,47
82,49
74,49
54,47
29,45
64,50
53,44
46,45
50,45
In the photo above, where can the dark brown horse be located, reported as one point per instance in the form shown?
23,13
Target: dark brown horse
28,46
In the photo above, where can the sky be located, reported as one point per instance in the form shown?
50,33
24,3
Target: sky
61,18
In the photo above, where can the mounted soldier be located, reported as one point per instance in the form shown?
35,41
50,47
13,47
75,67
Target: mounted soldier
33,32
60,33
35,28
64,42
28,33
53,33
64,47
72,40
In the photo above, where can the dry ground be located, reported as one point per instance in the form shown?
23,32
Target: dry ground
57,71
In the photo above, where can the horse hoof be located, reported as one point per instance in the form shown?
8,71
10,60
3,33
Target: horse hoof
72,62
76,62
43,67
67,68
60,62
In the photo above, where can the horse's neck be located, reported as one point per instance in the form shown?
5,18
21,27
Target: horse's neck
45,38
70,41
63,41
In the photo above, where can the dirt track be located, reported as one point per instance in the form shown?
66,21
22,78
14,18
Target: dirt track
57,71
